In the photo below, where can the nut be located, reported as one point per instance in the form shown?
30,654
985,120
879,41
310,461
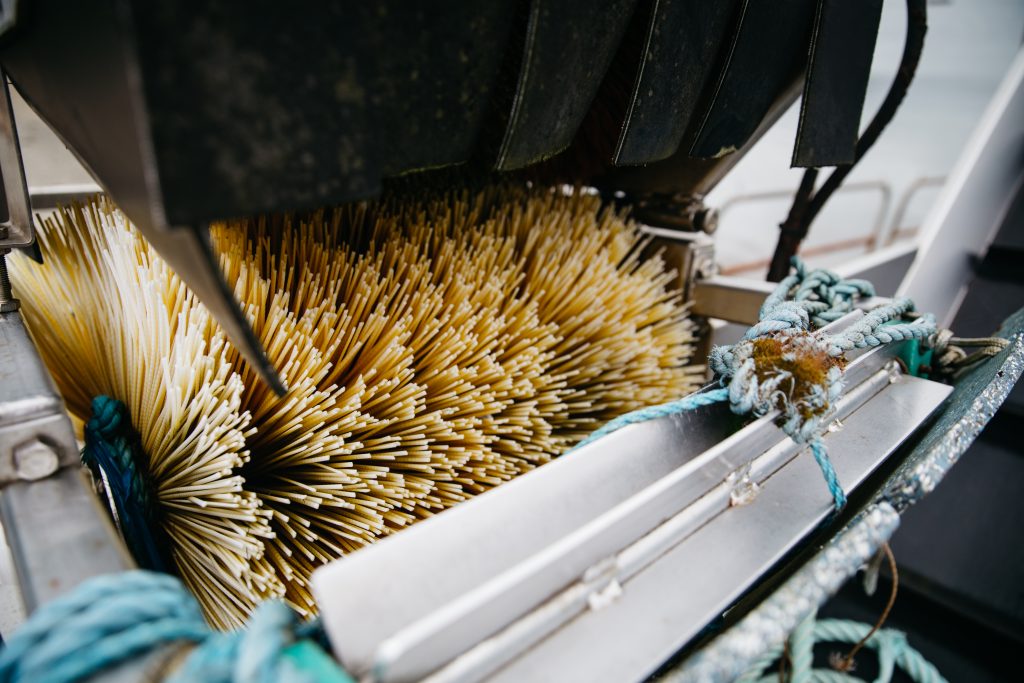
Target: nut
35,460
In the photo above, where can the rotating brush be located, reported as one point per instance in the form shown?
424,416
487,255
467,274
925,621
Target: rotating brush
434,346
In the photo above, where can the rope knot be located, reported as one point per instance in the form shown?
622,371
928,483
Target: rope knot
791,371
781,364
786,315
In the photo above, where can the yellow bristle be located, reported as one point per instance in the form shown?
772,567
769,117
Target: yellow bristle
109,317
433,347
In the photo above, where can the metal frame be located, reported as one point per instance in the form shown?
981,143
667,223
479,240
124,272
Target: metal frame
57,531
16,227
970,208
666,604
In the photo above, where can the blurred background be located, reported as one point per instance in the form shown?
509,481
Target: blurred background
969,46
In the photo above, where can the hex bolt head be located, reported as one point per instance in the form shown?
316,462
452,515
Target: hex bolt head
35,460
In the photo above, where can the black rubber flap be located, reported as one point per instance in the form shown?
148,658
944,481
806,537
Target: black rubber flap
568,47
306,103
434,70
252,109
842,46
769,46
684,41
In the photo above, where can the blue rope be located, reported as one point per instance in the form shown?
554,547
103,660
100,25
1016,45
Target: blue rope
681,405
111,452
829,473
113,618
102,623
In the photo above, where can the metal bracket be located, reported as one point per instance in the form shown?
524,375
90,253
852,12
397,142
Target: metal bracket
16,230
690,254
57,532
36,438
737,300
683,212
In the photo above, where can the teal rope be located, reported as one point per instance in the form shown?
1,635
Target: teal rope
682,405
876,328
890,645
110,619
105,621
801,650
253,655
111,452
802,300
829,473
828,297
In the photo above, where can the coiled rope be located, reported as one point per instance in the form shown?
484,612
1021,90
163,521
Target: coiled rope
950,357
890,645
111,619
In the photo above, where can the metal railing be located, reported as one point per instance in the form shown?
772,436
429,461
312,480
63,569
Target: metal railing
896,230
882,233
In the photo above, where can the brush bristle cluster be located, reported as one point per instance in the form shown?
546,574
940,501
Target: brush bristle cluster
433,347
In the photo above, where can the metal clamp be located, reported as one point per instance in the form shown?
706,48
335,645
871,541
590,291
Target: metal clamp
690,254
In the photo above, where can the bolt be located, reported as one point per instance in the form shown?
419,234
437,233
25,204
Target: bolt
7,301
895,371
706,220
35,460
